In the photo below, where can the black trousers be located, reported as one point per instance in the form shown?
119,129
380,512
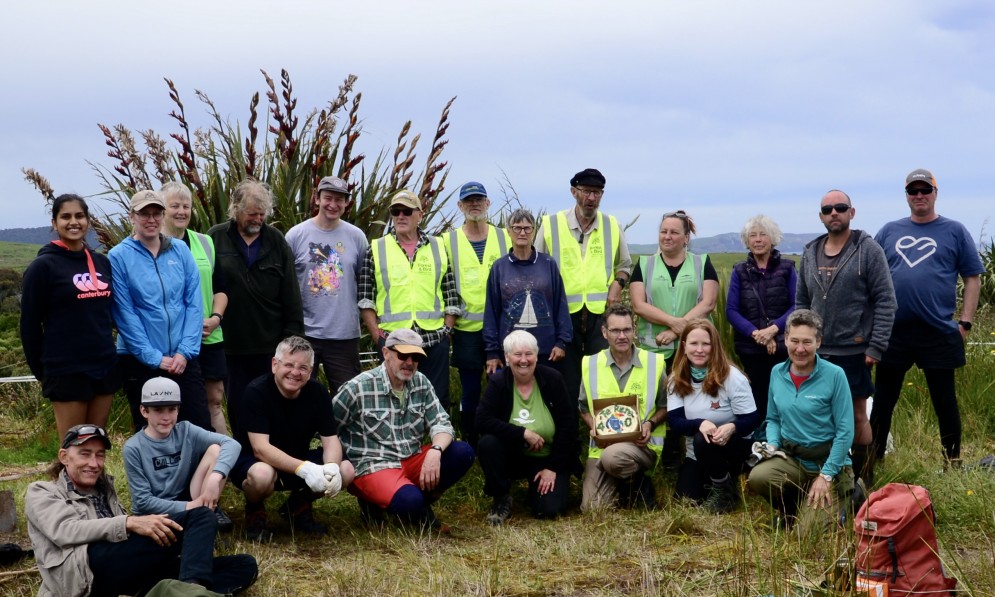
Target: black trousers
138,563
503,464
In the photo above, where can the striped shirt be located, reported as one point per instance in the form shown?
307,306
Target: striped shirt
377,429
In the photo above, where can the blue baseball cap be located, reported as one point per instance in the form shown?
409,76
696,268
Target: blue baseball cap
470,189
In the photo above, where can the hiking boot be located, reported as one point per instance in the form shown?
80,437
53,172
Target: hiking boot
723,498
300,513
256,527
645,494
224,523
432,522
500,511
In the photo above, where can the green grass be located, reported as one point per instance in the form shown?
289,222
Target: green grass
17,256
677,550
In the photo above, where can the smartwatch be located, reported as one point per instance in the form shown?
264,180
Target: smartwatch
219,316
967,325
826,478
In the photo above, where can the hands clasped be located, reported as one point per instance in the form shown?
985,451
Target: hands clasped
314,475
333,479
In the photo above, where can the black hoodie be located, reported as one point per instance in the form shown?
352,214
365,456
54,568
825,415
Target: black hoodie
66,321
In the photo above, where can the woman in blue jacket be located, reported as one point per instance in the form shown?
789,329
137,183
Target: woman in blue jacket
809,426
158,311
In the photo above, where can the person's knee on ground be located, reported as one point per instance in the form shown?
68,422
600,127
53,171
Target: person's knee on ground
617,463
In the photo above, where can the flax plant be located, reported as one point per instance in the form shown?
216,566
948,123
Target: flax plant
281,144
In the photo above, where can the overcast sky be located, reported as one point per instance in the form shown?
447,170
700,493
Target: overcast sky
724,109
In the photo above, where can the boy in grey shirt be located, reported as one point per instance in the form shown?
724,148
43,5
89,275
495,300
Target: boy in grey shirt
175,466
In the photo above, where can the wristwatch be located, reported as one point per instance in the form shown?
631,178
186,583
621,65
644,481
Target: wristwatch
219,316
437,447
826,478
622,281
967,325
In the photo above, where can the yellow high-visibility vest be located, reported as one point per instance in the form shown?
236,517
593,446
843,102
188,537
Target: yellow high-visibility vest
675,297
644,381
471,274
586,277
409,292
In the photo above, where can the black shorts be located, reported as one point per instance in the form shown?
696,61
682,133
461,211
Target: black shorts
284,481
213,365
80,387
858,376
925,346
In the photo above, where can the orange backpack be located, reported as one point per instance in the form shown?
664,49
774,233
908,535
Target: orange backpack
896,542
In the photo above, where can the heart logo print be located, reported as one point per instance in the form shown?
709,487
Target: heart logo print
914,250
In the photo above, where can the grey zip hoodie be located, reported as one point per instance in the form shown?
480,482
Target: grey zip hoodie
858,306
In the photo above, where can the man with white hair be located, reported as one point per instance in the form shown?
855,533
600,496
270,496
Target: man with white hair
284,410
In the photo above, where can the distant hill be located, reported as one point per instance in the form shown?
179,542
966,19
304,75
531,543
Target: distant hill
37,236
730,243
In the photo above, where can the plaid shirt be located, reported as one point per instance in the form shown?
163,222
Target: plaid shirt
367,291
377,431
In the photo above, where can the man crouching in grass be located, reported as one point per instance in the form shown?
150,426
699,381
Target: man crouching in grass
85,543
384,416
281,413
175,466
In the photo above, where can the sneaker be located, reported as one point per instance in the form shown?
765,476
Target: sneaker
723,498
256,527
500,511
301,517
224,523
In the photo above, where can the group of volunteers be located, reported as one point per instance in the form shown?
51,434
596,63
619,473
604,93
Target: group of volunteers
532,316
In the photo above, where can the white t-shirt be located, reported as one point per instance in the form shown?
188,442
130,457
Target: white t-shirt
735,398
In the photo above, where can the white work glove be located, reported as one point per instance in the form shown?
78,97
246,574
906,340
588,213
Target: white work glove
313,475
334,479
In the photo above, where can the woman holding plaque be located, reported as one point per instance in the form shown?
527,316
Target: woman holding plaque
528,429
710,402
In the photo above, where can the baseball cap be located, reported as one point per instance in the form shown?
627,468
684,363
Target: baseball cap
80,434
589,177
920,175
405,341
471,189
161,391
333,184
407,199
142,199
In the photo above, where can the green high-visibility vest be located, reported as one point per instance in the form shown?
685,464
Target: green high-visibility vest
202,248
586,277
644,381
672,297
409,292
471,274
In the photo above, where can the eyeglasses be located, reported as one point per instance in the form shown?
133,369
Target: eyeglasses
912,192
619,331
680,213
404,356
292,367
596,193
401,211
522,229
157,215
839,207
81,434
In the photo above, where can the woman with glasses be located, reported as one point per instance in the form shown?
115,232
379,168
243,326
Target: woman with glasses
525,292
761,296
710,402
213,366
66,321
669,289
158,311
528,429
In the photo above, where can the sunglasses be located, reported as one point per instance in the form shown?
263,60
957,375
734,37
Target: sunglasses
919,191
839,207
401,211
403,356
82,434
680,214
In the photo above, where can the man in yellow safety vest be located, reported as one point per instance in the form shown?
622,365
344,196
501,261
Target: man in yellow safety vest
590,249
472,249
